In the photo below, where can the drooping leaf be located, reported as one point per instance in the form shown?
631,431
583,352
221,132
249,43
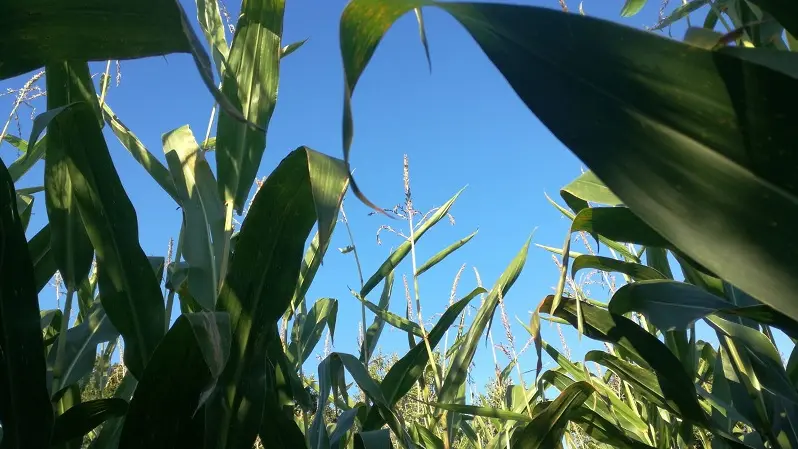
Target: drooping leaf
438,257
250,84
403,250
210,20
82,418
25,411
111,430
190,357
128,287
203,214
681,12
547,426
147,160
24,163
261,282
729,170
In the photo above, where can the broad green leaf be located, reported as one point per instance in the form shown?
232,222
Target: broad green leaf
636,271
323,313
82,418
403,250
24,209
373,439
462,359
261,282
343,425
407,371
688,150
391,318
147,160
24,163
632,7
81,348
210,20
547,426
190,357
42,257
437,258
765,359
659,388
25,411
278,428
20,144
67,82
587,188
619,224
203,214
426,437
109,434
599,429
250,84
375,330
681,12
372,389
128,287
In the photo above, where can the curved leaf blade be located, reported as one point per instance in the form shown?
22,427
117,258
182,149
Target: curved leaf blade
442,254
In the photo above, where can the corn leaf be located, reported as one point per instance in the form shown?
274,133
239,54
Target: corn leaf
601,430
636,271
681,12
587,188
547,426
373,439
403,250
191,356
210,20
25,409
462,359
82,418
128,287
147,160
67,82
438,257
262,280
24,163
323,313
24,209
375,330
44,266
391,318
203,214
250,84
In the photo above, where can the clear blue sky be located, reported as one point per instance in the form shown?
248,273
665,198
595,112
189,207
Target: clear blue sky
460,125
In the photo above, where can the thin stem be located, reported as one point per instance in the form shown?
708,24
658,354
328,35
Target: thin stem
360,276
104,89
170,297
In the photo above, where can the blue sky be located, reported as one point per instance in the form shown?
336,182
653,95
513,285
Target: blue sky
461,125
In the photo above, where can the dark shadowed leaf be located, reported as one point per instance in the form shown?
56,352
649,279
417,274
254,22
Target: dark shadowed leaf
323,313
373,439
82,418
25,411
547,426
128,287
261,282
636,271
187,361
42,257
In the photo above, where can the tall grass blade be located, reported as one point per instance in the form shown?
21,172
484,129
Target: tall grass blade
547,426
442,254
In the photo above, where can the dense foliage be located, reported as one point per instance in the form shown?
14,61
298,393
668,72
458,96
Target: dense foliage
691,191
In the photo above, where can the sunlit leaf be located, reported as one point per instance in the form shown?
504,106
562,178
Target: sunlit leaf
438,257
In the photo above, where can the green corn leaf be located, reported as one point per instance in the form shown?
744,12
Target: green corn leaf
80,348
619,224
343,425
462,359
374,439
25,410
547,426
67,82
426,437
147,160
24,209
375,330
278,428
24,163
681,12
636,271
733,173
250,83
323,313
42,257
488,412
391,318
437,258
82,418
191,356
403,250
128,287
30,190
671,305
203,214
407,371
632,7
657,387
261,282
601,430
785,12
292,47
317,433
587,188
111,430
20,144
210,20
